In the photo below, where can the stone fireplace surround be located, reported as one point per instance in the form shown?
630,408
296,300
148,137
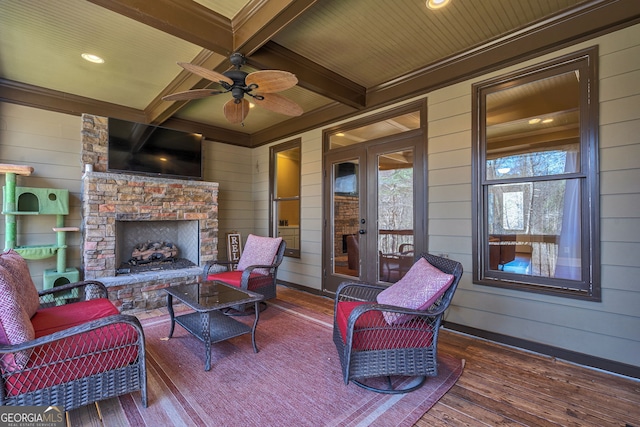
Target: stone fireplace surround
110,198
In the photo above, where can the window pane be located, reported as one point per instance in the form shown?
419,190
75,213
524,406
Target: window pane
528,165
288,173
288,214
534,228
530,128
285,190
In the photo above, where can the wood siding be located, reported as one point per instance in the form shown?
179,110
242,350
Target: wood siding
50,143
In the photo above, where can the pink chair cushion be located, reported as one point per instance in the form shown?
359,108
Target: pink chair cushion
259,251
417,290
18,302
79,356
367,330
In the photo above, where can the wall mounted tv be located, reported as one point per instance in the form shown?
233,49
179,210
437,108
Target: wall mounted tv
143,149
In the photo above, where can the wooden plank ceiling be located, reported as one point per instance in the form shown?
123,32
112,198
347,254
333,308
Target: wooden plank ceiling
349,56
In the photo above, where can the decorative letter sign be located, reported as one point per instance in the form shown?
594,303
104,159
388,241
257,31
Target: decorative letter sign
234,248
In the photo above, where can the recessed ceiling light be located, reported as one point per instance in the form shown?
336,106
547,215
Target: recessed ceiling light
534,121
92,58
549,120
436,4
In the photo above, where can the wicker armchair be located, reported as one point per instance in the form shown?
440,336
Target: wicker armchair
370,348
253,272
83,351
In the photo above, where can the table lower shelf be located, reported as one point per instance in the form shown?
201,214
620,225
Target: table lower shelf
221,326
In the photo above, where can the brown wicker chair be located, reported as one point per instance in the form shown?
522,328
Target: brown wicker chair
87,362
369,347
259,278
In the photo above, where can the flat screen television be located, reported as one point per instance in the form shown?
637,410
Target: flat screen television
143,149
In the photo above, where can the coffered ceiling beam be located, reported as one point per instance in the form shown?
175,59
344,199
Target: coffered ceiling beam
310,75
61,102
259,21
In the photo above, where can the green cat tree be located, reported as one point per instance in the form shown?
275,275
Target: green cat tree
19,201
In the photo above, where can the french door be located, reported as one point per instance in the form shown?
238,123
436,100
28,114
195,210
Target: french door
375,209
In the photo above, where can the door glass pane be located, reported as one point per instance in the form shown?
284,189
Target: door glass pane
371,131
395,215
346,214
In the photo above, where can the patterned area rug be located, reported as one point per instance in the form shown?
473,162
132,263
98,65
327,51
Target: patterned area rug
294,379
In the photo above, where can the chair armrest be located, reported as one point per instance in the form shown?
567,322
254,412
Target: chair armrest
216,264
355,291
431,312
86,290
250,268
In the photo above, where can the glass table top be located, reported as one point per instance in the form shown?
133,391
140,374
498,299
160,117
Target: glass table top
211,295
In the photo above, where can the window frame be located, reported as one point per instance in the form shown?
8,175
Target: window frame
274,200
589,287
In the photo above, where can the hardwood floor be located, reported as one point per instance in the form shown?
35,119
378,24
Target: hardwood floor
506,386
500,385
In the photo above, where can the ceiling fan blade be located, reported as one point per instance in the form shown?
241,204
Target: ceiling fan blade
236,113
214,76
269,81
279,104
191,94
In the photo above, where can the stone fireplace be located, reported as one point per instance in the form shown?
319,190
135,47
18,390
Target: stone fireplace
120,210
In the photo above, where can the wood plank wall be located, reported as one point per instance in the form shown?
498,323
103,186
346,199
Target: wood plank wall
50,142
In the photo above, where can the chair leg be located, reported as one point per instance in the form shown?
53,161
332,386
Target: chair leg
414,384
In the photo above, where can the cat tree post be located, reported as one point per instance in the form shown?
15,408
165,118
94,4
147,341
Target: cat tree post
38,201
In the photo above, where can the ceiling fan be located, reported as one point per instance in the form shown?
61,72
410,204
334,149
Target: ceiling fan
259,85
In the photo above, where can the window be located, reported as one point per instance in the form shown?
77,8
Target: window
285,195
535,221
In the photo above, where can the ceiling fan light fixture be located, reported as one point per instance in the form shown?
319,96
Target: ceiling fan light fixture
92,58
261,86
436,4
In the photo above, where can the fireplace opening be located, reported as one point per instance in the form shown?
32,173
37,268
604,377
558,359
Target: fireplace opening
152,256
156,245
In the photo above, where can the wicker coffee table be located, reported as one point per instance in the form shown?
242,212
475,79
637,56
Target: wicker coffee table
208,323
